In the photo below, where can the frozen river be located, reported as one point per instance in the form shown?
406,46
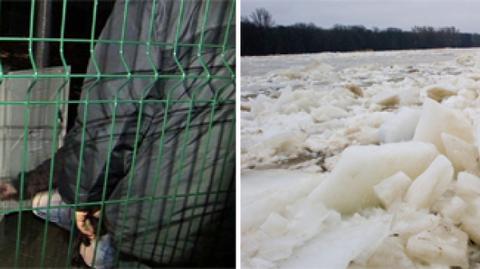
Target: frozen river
361,160
259,66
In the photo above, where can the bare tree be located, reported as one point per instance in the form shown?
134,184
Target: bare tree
262,18
245,19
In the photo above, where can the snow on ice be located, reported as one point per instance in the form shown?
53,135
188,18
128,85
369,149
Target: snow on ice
361,160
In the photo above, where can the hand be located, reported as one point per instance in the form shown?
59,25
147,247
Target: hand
84,225
8,191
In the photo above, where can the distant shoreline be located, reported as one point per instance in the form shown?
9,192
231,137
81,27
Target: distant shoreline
258,39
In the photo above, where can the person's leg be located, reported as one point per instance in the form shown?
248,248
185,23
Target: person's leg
62,216
105,253
58,213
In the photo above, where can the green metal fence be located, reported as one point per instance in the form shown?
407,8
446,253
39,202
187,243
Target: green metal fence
151,121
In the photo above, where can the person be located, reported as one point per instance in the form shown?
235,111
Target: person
151,153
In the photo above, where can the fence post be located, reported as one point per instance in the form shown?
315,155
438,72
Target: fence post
43,22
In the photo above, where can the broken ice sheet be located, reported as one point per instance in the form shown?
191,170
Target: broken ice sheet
336,246
443,244
267,191
349,188
332,119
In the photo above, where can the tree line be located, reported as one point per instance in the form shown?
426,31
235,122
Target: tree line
260,36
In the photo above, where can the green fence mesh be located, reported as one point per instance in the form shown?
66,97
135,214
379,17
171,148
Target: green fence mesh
145,133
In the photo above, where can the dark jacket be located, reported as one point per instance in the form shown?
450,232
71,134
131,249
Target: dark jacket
159,149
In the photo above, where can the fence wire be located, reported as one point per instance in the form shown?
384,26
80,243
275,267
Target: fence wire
151,130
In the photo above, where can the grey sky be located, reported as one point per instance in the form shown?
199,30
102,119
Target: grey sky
463,14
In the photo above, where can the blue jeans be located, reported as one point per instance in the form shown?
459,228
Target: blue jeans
62,217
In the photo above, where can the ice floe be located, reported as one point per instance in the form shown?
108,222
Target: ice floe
361,160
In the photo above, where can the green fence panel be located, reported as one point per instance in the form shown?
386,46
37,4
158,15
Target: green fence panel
145,132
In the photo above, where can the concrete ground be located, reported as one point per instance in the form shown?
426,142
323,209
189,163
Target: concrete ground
31,241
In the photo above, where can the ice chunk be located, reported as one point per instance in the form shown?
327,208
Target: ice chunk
338,245
251,243
285,143
364,136
390,254
400,127
275,225
276,248
267,191
291,74
409,96
258,263
306,223
471,221
349,187
437,119
277,139
438,93
467,186
354,89
245,107
432,183
386,98
466,60
294,101
464,156
470,94
275,215
453,208
409,221
260,105
392,189
256,213
328,112
444,244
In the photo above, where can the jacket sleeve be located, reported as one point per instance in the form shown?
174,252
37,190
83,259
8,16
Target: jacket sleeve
98,149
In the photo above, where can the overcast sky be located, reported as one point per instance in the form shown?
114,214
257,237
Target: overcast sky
463,14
